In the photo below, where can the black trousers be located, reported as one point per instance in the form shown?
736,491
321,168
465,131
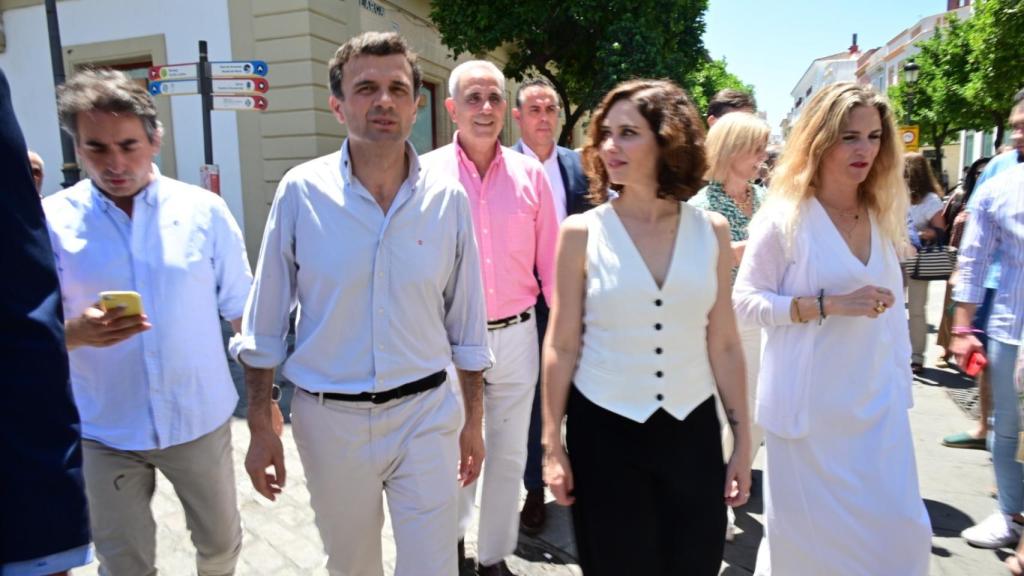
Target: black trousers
649,497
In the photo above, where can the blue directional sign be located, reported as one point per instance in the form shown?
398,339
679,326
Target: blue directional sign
238,69
173,87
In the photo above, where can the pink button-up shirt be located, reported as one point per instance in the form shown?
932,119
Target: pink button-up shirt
514,222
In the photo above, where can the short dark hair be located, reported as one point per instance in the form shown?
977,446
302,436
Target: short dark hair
677,129
371,44
730,100
105,90
538,81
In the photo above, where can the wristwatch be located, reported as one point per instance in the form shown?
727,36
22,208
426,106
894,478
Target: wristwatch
275,393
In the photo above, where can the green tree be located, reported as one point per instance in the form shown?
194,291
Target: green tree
937,102
712,75
584,47
996,38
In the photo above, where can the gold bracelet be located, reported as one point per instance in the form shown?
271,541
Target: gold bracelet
796,308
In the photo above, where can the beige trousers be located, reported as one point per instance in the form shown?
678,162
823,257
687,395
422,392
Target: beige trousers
353,452
917,302
119,485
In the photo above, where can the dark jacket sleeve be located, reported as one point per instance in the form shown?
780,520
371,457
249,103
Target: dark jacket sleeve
575,181
44,507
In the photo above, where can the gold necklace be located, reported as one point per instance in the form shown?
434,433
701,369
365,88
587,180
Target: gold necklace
746,203
848,214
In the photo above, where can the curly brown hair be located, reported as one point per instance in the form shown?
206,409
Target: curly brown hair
677,128
920,178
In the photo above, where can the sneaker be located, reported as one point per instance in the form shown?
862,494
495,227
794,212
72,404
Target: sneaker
996,531
534,514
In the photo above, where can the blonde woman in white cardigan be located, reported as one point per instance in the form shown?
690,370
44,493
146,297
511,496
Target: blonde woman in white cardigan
821,274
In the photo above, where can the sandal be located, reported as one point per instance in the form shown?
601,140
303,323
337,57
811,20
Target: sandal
963,440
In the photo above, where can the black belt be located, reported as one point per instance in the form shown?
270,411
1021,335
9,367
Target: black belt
506,322
415,387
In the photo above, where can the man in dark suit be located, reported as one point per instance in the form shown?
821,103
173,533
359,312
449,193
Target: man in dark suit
537,114
45,526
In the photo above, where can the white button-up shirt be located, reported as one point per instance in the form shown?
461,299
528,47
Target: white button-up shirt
383,299
554,178
184,253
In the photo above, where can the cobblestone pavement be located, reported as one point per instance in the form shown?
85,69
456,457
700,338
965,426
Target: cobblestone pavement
280,538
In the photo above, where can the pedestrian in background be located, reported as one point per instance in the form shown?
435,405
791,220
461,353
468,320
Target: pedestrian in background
537,113
822,275
516,225
736,149
727,101
642,331
925,215
38,166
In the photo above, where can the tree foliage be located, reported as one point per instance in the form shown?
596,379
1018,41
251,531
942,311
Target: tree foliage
710,77
969,73
584,47
996,34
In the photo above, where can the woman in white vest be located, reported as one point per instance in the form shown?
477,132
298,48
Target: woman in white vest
641,332
822,275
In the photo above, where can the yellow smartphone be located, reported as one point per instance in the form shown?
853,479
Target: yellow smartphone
129,300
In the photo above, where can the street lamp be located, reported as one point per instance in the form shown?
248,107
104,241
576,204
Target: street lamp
910,71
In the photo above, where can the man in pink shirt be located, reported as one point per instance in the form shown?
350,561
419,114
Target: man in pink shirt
516,227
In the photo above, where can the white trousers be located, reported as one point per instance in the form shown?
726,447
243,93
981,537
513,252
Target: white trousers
750,339
353,452
508,399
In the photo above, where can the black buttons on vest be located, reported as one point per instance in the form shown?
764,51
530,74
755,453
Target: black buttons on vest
659,373
657,326
658,350
657,302
660,397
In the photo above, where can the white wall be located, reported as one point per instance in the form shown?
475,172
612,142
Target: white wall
26,61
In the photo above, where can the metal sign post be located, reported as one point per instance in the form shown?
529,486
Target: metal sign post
237,85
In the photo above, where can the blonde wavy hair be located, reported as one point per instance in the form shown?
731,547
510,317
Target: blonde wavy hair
733,134
796,176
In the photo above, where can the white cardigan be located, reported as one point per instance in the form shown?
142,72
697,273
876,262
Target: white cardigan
770,276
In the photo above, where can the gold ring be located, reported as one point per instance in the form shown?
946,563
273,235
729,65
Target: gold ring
879,307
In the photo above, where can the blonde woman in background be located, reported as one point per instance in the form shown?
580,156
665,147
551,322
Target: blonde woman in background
822,275
736,148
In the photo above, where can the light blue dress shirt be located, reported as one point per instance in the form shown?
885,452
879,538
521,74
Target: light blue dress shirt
50,564
183,252
383,298
998,164
996,225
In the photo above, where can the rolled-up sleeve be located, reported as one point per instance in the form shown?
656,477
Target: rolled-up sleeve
979,242
261,343
756,296
230,263
465,309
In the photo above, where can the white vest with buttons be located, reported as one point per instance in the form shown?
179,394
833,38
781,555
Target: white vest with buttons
645,348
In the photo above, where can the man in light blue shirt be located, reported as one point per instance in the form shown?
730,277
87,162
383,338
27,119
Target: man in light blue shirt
377,253
153,390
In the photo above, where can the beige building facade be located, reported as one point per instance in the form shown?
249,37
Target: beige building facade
296,38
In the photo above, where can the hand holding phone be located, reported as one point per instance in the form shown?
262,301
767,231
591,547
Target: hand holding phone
129,300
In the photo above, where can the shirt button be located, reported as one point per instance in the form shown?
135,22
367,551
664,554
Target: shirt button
657,302
659,373
380,274
660,397
381,381
657,326
658,350
380,310
380,346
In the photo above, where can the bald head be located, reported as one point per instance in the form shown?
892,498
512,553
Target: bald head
36,162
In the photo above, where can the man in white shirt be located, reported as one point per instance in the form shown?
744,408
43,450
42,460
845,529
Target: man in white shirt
378,254
537,113
153,390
